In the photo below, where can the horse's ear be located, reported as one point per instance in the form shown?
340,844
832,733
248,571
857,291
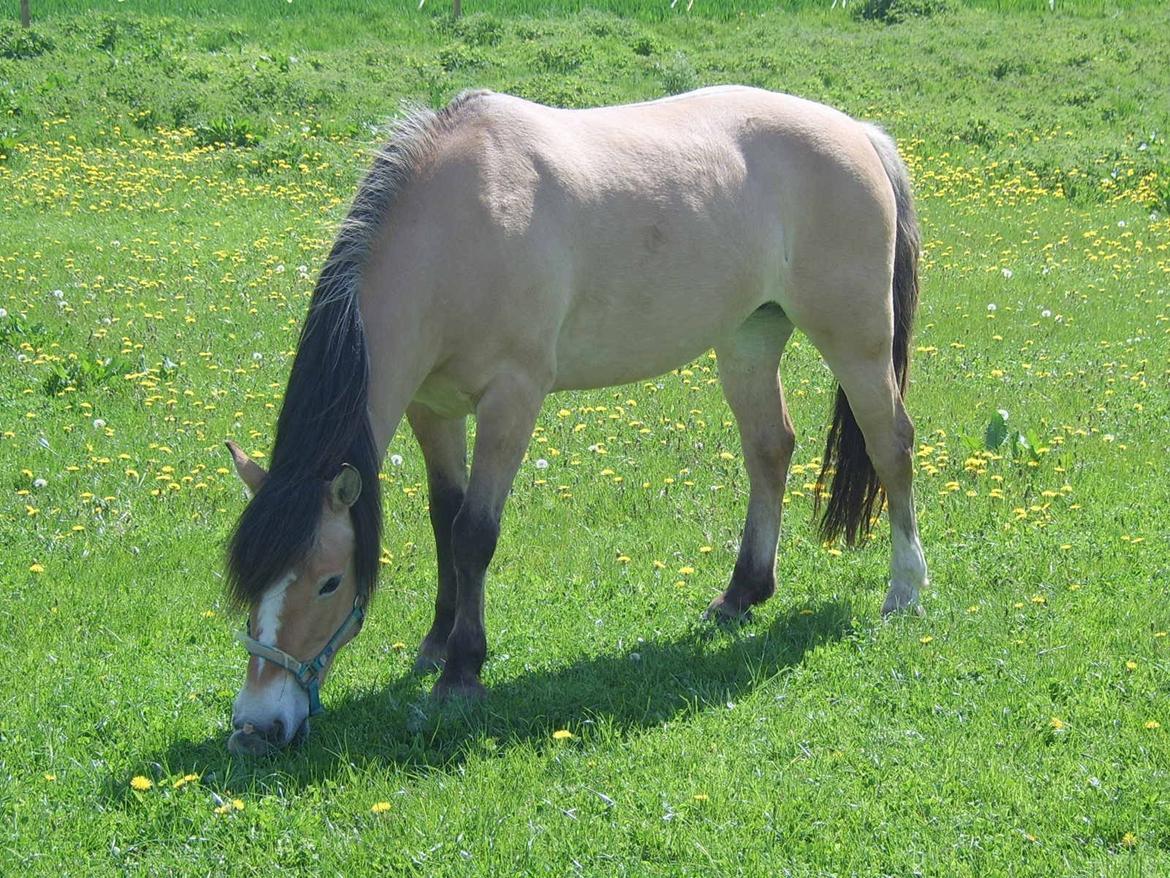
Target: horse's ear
345,488
250,472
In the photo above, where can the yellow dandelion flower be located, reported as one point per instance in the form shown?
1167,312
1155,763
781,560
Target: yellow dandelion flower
562,735
686,571
623,559
700,797
1153,724
36,568
1128,840
398,645
140,783
659,565
49,776
225,808
1131,665
1056,723
238,804
184,780
925,640
380,807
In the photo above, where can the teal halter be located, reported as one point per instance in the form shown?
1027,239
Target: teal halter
307,674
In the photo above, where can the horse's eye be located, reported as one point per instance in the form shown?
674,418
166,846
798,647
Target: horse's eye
330,585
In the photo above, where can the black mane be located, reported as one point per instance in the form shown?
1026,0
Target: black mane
324,420
323,423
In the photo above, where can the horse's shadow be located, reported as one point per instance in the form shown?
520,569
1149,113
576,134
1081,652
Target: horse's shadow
639,687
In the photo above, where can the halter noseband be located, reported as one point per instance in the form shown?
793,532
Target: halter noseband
308,674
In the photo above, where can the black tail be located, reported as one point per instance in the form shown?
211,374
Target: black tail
856,492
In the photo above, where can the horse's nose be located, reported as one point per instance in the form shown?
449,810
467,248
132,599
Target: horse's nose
250,739
273,732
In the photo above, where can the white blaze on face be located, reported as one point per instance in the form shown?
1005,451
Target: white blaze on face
271,607
278,696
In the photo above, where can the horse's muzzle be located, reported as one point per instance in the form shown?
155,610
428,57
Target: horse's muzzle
247,740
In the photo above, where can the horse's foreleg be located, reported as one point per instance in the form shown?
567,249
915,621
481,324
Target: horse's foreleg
748,367
444,446
505,416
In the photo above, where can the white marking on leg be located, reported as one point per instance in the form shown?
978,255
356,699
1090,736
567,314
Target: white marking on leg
907,571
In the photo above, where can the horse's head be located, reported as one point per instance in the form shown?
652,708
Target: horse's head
292,565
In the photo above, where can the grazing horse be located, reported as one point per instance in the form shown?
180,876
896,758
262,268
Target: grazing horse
498,251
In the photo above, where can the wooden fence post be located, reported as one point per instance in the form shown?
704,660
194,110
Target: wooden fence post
25,18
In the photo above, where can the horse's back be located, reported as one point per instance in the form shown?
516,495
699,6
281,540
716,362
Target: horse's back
617,243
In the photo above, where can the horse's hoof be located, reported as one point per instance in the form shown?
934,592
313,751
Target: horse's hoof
721,613
902,603
426,664
469,691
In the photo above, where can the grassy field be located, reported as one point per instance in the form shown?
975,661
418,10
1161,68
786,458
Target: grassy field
168,187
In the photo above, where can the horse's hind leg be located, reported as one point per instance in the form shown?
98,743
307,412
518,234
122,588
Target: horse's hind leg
749,371
444,446
505,416
866,374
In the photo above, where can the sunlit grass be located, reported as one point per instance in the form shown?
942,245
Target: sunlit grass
152,285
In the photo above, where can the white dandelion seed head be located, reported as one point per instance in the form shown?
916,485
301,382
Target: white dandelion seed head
991,306
257,356
1007,273
279,269
39,483
3,313
99,423
541,463
58,294
1045,313
396,460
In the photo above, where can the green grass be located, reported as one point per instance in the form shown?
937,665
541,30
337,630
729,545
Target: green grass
1004,734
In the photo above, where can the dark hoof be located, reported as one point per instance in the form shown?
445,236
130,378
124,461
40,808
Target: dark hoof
426,664
469,691
720,614
731,607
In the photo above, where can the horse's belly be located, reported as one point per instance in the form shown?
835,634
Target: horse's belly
633,334
600,365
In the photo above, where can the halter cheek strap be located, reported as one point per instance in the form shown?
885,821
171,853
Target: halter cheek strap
307,674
